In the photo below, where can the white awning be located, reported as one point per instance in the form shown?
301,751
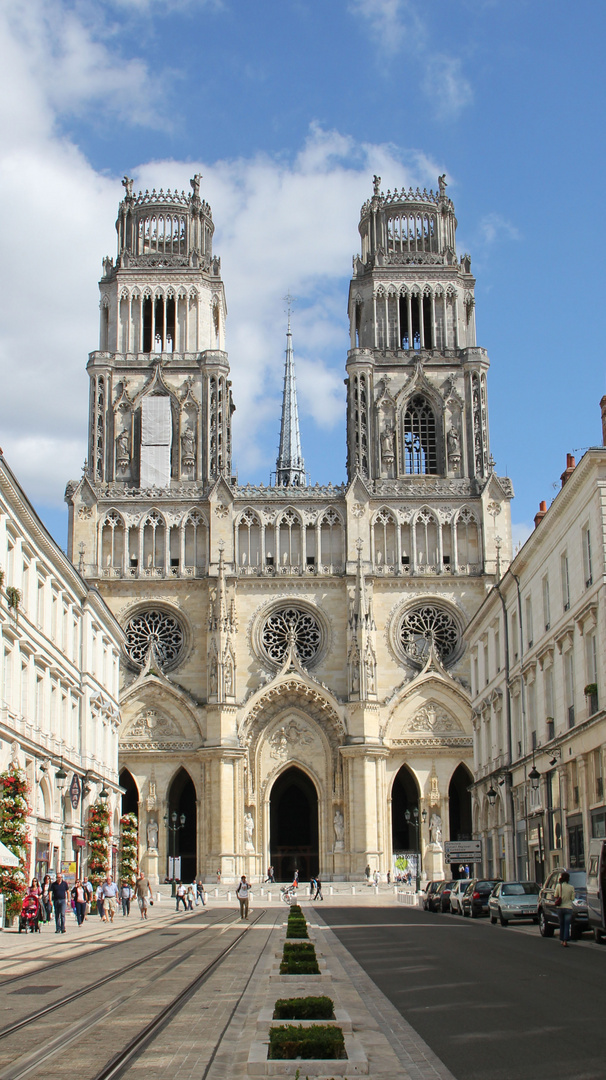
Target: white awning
6,856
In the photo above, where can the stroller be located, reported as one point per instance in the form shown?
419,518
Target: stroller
29,917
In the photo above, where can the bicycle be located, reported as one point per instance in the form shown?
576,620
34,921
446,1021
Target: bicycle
288,893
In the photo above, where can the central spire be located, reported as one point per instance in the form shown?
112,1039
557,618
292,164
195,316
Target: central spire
290,467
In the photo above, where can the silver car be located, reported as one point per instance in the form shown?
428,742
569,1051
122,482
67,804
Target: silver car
514,900
456,895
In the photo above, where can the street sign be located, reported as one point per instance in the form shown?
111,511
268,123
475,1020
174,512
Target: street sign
463,851
74,791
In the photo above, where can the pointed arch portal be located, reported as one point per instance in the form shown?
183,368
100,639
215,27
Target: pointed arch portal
293,826
459,808
130,798
182,800
404,796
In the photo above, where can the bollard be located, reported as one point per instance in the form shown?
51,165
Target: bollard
353,890
216,892
229,898
269,897
395,890
376,889
262,892
331,890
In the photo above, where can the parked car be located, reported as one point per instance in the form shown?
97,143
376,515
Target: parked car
514,900
444,896
456,895
431,889
596,889
474,901
547,909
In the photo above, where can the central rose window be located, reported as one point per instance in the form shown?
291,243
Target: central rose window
425,625
158,628
291,624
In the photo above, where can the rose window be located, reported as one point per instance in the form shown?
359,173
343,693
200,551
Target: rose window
290,624
426,625
157,628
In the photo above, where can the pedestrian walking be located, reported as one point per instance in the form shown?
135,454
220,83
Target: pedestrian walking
271,877
243,893
125,895
46,907
312,887
564,893
144,894
99,897
296,879
318,895
201,893
180,894
59,892
89,894
190,896
79,895
389,877
218,877
367,872
375,877
110,896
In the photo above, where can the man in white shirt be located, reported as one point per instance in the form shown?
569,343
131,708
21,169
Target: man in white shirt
243,893
181,891
110,896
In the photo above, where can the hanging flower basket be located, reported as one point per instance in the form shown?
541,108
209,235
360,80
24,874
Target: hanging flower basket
98,842
14,809
129,848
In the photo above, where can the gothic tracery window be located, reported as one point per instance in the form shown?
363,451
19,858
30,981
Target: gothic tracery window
426,624
420,444
158,628
291,623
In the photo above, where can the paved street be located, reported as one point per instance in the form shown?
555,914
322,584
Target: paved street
492,1003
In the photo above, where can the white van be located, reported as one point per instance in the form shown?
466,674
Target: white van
596,888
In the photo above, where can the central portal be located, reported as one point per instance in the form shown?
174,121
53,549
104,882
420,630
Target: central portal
293,826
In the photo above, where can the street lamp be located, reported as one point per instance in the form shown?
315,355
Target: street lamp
173,829
491,795
534,776
61,778
414,820
104,793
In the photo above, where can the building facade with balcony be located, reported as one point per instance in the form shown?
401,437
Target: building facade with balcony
60,650
296,679
538,683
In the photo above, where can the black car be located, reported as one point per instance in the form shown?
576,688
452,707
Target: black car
444,896
548,912
431,894
475,899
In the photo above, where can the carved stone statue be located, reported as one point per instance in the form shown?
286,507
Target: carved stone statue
435,830
442,183
229,678
188,449
127,184
195,184
452,440
152,835
339,827
376,184
123,450
387,444
249,828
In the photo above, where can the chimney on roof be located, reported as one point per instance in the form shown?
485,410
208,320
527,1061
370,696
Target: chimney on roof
603,409
568,471
541,514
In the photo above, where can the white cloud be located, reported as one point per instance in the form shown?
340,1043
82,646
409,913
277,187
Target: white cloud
395,26
494,227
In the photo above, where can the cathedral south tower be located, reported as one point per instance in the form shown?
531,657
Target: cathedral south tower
295,683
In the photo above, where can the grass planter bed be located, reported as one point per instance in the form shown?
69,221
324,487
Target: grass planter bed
299,967
297,929
304,1008
299,950
319,1042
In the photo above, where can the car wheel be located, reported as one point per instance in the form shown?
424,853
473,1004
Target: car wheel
464,911
544,926
504,922
472,913
535,919
597,936
493,919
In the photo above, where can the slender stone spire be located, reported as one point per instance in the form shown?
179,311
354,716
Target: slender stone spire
290,467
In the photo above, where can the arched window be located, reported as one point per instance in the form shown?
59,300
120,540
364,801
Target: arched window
468,542
427,538
153,542
384,540
195,541
420,447
112,541
249,540
331,540
289,541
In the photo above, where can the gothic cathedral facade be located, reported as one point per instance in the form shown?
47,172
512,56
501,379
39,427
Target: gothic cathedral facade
295,687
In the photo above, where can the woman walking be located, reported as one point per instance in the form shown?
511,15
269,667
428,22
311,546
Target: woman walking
79,897
564,892
46,907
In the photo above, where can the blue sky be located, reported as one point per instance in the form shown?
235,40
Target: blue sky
288,109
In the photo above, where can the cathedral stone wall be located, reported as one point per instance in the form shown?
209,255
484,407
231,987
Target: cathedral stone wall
295,687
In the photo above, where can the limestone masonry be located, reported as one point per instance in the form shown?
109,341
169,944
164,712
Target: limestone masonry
296,684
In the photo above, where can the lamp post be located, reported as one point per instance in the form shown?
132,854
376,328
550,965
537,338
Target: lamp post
414,820
61,778
173,829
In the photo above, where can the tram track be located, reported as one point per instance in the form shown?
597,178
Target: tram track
28,1065
10,1029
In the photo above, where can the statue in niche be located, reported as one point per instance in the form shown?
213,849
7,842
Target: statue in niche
453,447
339,827
435,830
387,444
249,828
123,450
229,678
152,835
355,676
212,678
188,449
369,668
442,184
